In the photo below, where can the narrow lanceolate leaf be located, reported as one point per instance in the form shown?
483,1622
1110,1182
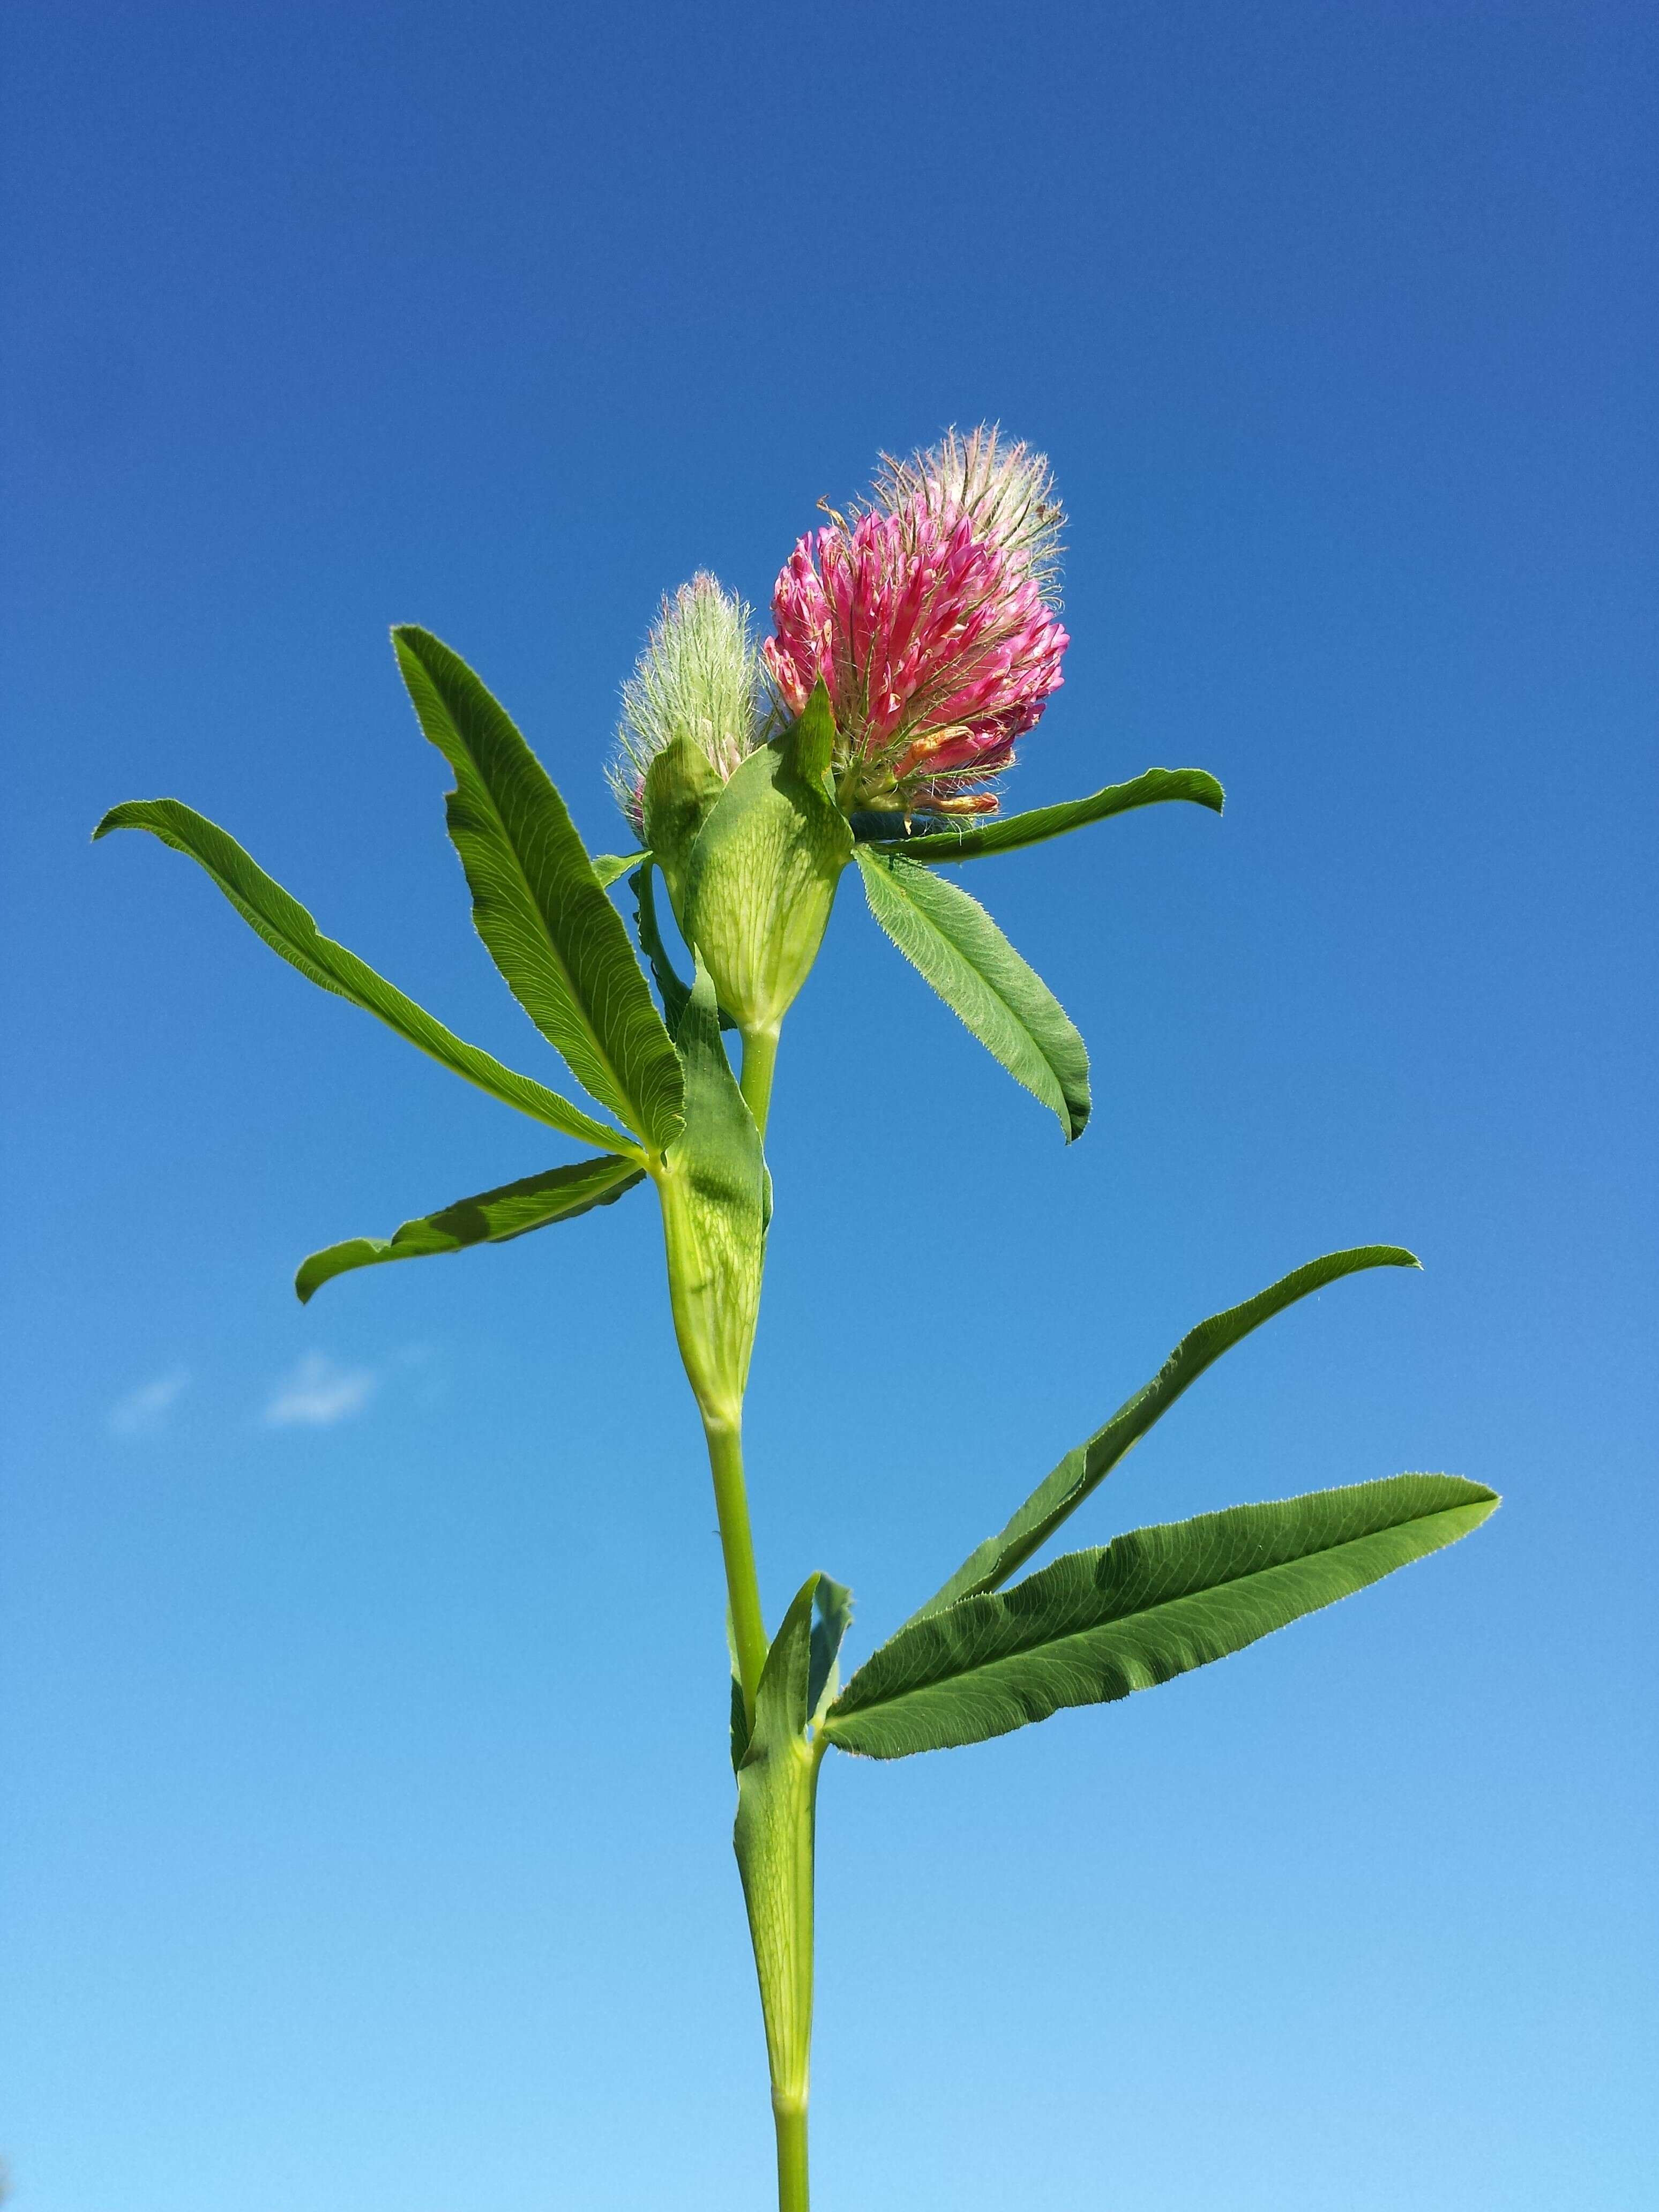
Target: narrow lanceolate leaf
1062,1493
1009,832
671,989
490,1218
960,950
538,906
1096,1625
288,929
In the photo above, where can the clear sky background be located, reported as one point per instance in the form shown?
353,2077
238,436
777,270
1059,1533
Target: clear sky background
365,1688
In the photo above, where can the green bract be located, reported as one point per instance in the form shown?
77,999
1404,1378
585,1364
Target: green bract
681,787
750,845
713,1185
761,878
773,1836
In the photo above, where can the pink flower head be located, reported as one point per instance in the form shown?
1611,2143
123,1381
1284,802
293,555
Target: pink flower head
930,619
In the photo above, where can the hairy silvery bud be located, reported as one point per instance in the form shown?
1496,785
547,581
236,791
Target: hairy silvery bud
692,712
746,833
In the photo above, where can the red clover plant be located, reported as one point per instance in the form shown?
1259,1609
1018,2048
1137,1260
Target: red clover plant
915,642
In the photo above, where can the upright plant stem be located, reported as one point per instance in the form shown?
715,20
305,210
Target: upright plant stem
776,1861
778,1886
738,1547
792,2156
760,1053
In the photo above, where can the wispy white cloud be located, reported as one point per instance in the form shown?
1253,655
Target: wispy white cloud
318,1393
144,1411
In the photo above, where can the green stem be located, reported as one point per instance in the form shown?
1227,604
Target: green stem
791,2118
778,1784
725,1439
760,1053
775,1853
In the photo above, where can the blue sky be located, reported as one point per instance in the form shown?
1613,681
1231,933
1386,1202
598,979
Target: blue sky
364,1674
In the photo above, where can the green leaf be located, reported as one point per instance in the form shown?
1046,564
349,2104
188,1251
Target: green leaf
777,1786
289,930
671,989
672,992
715,1202
612,867
761,878
960,950
737,1725
1007,832
1096,1625
537,903
835,1615
783,1701
1062,1493
492,1218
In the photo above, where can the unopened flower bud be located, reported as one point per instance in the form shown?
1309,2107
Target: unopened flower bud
697,702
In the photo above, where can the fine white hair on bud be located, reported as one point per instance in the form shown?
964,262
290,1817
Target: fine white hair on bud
700,677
